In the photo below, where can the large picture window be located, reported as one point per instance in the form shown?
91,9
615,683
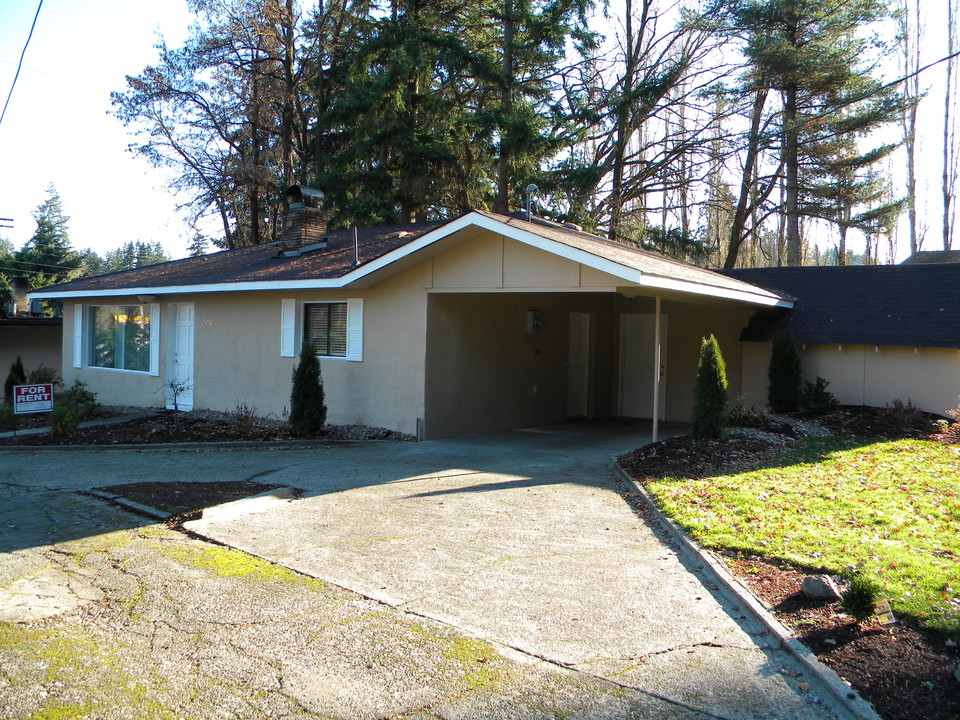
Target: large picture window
119,337
325,327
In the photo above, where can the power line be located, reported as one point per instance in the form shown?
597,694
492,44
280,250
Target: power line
20,64
28,272
45,265
925,67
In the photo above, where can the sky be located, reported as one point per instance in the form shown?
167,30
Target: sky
57,129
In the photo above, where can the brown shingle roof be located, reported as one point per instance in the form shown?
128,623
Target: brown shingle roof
261,265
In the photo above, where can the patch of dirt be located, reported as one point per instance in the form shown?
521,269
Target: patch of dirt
889,423
201,427
184,500
903,671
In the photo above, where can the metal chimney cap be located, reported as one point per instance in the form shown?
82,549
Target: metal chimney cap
301,194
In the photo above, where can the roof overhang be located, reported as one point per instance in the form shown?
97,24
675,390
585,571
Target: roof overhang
369,274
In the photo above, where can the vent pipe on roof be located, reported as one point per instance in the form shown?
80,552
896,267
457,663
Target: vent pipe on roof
304,221
530,190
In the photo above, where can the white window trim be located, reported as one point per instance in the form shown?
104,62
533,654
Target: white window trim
78,335
81,345
291,327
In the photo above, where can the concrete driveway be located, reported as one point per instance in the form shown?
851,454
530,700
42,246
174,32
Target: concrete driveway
521,539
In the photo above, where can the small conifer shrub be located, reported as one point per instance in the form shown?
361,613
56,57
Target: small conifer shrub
816,399
859,597
709,392
784,374
308,412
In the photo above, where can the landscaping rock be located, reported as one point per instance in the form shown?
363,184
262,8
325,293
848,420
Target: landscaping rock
956,672
820,587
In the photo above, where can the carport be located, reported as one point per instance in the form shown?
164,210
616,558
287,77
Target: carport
498,360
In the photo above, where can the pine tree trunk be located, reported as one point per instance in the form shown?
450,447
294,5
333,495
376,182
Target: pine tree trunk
791,164
742,210
622,129
911,32
289,93
502,202
949,133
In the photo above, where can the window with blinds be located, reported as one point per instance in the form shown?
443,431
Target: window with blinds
325,327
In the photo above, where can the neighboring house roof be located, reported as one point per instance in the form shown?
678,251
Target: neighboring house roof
933,256
30,321
892,305
387,249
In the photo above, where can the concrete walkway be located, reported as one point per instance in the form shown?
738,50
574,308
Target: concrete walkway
521,539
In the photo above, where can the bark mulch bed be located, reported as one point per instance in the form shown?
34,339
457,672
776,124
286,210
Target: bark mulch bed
184,501
205,427
903,671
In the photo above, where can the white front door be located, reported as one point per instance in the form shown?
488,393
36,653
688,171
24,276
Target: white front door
578,365
637,361
182,374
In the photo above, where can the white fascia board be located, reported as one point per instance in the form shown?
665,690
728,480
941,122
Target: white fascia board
210,288
506,290
756,298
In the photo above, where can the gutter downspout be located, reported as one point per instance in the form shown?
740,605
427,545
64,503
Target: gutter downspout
656,371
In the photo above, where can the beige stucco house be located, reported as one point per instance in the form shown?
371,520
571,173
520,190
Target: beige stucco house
480,323
876,333
26,334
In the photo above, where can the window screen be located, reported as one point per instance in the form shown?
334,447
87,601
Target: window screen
325,327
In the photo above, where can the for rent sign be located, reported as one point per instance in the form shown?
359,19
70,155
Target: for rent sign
32,398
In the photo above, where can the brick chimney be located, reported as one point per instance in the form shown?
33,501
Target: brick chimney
20,306
304,221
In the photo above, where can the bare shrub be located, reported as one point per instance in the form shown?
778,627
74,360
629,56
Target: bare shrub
243,417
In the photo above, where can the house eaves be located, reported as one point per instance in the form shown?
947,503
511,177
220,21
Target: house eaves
636,268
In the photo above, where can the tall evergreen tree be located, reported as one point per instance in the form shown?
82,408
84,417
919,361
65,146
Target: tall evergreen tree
48,257
817,54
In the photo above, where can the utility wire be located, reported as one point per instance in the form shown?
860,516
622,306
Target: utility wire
20,64
805,121
44,265
925,67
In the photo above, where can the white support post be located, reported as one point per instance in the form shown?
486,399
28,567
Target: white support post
656,372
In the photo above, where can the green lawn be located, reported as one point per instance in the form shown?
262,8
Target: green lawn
892,508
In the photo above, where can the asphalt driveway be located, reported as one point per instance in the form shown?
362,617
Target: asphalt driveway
519,539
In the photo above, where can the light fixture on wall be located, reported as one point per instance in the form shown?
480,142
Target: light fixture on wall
534,322
146,298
